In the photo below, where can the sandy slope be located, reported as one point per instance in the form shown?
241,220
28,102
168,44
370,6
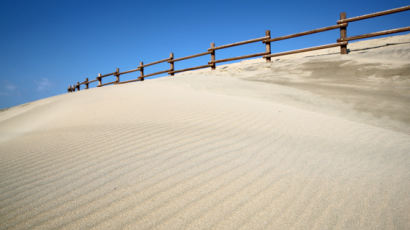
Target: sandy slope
285,145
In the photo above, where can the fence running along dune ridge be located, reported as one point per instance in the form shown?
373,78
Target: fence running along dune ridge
266,40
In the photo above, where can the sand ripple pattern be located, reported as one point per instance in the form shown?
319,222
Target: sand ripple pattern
166,156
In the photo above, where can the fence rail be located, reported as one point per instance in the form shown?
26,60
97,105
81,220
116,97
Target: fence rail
307,49
375,34
377,14
307,32
266,40
238,43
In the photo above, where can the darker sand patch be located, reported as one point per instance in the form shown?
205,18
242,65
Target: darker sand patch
371,88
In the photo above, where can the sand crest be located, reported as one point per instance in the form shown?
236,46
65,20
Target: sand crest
309,141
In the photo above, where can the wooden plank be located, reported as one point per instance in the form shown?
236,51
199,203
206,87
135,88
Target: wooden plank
133,80
108,83
267,46
380,33
141,78
99,80
92,81
307,49
108,74
192,56
171,63
156,73
238,43
192,68
343,34
130,71
392,11
306,33
156,62
117,75
212,56
238,58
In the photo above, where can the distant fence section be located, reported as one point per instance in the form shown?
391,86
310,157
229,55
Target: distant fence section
266,40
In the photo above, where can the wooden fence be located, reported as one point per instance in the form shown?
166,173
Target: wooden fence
342,42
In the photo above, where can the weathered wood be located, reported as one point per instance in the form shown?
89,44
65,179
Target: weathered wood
304,33
99,78
380,33
192,68
372,15
267,44
141,78
238,43
307,49
212,56
343,34
171,62
156,62
133,80
108,74
192,56
130,71
92,81
78,86
240,57
109,83
117,75
86,83
156,73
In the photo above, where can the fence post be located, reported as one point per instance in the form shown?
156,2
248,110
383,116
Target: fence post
78,86
268,49
117,76
213,55
99,80
69,89
171,62
86,83
343,34
142,71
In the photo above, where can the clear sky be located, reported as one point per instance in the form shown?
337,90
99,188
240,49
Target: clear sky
45,45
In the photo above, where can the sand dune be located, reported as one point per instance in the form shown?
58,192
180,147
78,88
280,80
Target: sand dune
309,141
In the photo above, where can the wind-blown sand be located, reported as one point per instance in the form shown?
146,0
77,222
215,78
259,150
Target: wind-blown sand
309,141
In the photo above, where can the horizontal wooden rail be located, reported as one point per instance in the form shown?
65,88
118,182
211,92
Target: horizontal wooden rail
129,71
92,81
238,58
380,33
307,49
108,74
238,43
108,83
392,11
156,62
188,57
192,68
133,80
307,32
156,73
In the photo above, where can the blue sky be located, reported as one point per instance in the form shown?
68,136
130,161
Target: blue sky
48,44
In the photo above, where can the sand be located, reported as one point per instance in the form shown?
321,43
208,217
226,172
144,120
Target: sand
309,141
